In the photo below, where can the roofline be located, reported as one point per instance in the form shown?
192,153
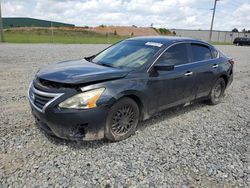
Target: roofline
38,20
169,39
204,30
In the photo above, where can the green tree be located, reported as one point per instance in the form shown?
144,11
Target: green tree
235,30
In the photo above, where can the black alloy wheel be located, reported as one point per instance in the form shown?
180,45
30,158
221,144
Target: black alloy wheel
122,120
217,92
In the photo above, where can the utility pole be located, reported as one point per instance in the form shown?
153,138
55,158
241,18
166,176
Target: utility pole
212,22
1,25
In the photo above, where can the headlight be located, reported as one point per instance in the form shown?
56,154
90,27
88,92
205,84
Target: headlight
83,100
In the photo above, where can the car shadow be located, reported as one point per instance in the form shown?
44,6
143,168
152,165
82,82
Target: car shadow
170,113
157,118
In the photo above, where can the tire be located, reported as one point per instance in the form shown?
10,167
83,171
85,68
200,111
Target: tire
217,93
122,120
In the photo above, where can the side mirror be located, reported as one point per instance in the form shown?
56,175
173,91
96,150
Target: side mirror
164,67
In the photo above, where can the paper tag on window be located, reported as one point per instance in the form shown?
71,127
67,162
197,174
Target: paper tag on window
153,44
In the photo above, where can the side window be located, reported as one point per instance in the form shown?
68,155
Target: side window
214,53
200,52
176,55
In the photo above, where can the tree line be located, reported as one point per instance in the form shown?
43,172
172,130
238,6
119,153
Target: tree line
243,30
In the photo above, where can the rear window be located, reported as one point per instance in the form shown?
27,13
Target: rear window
240,39
200,52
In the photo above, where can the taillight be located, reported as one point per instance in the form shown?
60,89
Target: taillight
231,61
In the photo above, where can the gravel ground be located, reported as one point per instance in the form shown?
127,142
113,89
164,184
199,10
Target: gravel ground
195,146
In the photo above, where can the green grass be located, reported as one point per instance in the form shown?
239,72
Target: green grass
221,43
44,35
60,36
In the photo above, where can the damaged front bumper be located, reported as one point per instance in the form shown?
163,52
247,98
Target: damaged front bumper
69,124
81,125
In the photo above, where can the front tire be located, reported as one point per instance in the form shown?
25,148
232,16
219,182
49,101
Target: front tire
122,120
217,93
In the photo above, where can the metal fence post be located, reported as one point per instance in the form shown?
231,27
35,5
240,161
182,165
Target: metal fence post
1,25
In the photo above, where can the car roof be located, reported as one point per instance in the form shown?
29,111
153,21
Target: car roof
165,39
241,37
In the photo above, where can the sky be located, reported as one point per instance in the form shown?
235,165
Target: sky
171,14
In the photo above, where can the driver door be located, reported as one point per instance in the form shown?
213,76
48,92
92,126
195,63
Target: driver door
176,86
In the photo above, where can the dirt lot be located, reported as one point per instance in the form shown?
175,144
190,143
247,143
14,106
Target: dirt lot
199,145
124,30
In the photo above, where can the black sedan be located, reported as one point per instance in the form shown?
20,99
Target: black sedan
107,94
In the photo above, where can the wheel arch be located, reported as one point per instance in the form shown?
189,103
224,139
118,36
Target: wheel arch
138,97
139,103
225,78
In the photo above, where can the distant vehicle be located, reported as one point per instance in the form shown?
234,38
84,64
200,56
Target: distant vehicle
107,94
241,41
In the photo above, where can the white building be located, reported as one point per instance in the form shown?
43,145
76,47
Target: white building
217,36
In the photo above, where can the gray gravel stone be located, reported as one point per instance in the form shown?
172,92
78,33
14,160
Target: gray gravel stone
195,146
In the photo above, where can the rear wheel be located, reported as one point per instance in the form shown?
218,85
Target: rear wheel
122,120
217,93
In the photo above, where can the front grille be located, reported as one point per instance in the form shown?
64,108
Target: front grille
40,99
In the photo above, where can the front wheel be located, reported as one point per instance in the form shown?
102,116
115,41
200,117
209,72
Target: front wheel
122,120
217,93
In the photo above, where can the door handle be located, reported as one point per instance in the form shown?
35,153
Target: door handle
188,73
215,66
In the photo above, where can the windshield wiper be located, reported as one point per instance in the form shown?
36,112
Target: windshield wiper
89,59
106,65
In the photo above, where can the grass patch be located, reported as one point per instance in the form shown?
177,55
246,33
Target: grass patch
69,36
60,36
221,43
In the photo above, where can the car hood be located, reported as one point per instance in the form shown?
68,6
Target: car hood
79,72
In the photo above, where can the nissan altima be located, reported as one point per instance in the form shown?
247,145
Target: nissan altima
107,94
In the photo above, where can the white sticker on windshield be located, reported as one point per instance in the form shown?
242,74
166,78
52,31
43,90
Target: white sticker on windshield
153,44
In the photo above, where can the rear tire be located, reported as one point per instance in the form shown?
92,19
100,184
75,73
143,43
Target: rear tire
217,93
122,120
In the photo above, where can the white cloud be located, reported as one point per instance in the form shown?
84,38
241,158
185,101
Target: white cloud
191,14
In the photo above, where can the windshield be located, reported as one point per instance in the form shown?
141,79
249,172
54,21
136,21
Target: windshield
127,54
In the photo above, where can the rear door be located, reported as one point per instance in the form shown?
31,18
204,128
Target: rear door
206,66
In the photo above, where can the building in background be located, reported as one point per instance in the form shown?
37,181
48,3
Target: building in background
217,36
31,22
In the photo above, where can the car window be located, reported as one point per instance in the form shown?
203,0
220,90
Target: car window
176,55
200,52
214,53
127,54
